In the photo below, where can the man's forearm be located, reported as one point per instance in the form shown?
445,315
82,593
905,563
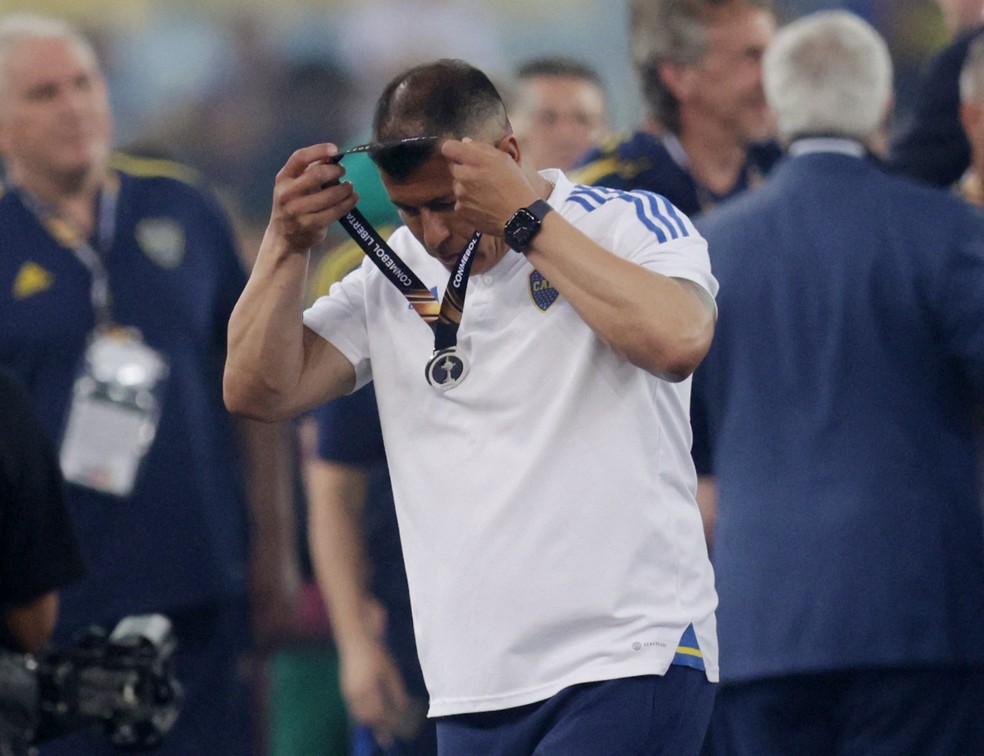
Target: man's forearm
658,323
270,462
337,493
275,367
266,336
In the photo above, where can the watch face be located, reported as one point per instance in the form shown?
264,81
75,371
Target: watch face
521,229
522,235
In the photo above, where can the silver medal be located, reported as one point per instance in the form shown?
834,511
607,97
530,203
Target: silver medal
446,369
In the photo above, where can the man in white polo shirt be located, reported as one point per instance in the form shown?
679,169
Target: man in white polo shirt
531,343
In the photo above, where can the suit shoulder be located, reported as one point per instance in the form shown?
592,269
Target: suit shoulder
916,194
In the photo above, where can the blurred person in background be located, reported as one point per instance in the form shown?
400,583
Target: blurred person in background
355,545
961,15
710,133
931,146
840,389
38,552
558,110
354,539
120,276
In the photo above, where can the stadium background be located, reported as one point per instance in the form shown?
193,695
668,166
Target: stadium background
167,58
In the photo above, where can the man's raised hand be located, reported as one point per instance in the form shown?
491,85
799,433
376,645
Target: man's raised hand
308,196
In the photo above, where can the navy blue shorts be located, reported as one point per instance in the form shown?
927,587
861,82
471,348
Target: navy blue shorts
634,715
935,711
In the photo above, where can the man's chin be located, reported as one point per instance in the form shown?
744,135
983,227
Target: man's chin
75,171
449,262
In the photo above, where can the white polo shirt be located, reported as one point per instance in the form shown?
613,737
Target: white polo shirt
546,504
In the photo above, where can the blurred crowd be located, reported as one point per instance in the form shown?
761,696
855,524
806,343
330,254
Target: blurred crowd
271,83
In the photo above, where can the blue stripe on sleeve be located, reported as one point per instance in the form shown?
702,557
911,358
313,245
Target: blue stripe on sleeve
589,197
667,210
654,211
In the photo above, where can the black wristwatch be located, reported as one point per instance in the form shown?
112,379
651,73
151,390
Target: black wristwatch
525,224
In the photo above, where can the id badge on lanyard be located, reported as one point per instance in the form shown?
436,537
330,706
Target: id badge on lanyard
115,408
116,396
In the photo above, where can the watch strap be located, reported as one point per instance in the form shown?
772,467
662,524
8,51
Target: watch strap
539,209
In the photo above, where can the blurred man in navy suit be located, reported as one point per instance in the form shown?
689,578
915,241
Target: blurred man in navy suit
840,389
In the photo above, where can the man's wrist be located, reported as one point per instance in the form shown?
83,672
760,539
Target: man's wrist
525,224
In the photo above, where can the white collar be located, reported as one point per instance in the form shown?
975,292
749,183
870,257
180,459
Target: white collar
673,146
839,145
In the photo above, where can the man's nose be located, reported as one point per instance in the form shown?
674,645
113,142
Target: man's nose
76,100
435,229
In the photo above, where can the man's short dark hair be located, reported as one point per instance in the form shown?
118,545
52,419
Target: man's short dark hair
447,98
559,66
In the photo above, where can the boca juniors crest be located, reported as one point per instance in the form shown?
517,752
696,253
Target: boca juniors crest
162,240
542,291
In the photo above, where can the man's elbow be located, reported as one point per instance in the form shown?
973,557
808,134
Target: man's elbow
689,355
675,360
678,371
243,401
679,367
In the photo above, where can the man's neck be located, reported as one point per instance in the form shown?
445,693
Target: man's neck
73,200
714,156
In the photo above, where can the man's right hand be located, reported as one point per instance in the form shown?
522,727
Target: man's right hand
373,688
275,367
308,196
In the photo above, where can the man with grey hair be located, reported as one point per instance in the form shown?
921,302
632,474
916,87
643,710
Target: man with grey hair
709,133
119,275
840,388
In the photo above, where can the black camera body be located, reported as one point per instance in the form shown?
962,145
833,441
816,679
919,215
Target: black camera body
121,685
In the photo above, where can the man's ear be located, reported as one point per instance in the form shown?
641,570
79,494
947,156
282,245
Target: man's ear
510,145
677,78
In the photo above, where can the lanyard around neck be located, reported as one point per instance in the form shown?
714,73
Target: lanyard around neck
444,320
66,234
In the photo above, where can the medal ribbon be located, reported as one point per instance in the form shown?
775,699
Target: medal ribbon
443,319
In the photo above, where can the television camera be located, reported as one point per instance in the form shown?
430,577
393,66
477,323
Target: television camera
119,684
